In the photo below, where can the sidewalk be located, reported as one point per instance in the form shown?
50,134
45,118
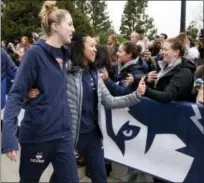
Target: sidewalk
9,172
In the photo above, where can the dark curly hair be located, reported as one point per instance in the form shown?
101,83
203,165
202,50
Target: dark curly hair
77,48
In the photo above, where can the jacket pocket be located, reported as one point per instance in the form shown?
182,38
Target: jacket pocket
37,116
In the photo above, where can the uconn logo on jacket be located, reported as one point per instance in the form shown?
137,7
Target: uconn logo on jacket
165,140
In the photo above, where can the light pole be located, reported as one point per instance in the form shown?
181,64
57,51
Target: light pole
183,16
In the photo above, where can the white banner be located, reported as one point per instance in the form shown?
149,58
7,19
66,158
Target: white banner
125,140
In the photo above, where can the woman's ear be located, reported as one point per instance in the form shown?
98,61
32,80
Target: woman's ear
54,27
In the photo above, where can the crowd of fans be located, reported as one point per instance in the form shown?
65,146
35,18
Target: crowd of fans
173,68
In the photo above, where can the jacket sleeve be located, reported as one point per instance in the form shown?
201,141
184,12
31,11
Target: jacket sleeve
177,85
24,80
117,90
11,68
111,102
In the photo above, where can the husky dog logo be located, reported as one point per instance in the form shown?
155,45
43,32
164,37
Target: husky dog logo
167,134
38,158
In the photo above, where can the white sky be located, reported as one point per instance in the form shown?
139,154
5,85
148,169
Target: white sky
166,14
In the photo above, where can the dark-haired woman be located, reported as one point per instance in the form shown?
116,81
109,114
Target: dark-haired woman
87,92
131,65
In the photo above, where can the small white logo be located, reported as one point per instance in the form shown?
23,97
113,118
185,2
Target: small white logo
38,158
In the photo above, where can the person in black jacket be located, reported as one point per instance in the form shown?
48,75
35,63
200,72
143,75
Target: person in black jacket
174,82
132,66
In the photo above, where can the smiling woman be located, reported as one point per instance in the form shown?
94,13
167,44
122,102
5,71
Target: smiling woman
44,136
83,50
56,22
87,92
174,82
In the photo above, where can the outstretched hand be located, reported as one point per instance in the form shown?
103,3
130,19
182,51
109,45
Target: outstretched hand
104,74
141,87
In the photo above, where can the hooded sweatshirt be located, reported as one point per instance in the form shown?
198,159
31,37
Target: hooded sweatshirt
47,117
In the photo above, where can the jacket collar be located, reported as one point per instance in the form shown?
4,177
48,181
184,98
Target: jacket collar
172,65
131,62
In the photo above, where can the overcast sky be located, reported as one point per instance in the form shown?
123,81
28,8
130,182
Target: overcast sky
165,13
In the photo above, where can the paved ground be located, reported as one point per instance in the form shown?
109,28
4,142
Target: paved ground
9,172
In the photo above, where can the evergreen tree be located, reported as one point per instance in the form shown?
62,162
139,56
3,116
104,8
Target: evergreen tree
192,30
80,19
97,12
21,18
134,18
81,5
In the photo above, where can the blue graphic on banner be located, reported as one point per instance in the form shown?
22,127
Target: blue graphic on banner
185,120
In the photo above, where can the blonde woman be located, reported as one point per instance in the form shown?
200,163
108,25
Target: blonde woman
45,134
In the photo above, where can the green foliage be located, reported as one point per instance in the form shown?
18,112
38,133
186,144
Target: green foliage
81,5
20,18
80,19
192,30
134,18
98,16
121,39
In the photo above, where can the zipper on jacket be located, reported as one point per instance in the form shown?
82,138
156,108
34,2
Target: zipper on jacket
64,95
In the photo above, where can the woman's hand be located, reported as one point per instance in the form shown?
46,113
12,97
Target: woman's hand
104,74
128,80
12,155
147,55
141,87
33,93
152,76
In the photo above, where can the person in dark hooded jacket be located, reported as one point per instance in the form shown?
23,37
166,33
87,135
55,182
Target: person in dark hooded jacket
45,134
174,82
132,65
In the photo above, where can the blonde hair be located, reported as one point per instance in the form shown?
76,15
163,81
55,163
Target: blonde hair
49,14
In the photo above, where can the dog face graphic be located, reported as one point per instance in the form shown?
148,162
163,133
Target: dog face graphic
150,132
